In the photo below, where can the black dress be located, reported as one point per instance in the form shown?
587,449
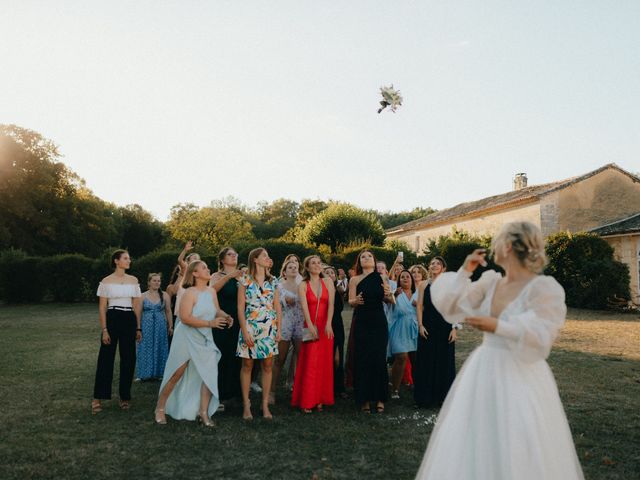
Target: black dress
370,375
227,341
435,367
338,344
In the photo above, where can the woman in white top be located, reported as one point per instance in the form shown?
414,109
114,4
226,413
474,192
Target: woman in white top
503,418
119,310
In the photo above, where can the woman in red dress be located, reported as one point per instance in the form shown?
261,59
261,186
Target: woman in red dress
313,384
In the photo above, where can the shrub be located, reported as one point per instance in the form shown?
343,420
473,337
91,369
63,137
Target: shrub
22,278
584,265
157,262
71,278
347,258
278,250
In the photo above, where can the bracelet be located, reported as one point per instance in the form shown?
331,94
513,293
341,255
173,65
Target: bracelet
138,329
104,329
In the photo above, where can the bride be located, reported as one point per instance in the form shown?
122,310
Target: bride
503,418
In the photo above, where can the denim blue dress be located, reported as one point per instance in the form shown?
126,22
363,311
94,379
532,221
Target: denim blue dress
153,350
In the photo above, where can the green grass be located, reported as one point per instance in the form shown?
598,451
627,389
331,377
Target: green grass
47,431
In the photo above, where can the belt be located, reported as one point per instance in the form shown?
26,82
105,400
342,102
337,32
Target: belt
122,309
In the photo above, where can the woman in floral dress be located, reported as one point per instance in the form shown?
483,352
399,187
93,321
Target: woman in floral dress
259,313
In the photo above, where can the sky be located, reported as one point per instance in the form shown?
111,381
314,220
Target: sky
165,102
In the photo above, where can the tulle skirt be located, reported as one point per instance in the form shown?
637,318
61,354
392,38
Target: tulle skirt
502,420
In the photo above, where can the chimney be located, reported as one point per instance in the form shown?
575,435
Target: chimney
520,181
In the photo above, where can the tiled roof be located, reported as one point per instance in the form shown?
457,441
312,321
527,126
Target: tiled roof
504,200
626,225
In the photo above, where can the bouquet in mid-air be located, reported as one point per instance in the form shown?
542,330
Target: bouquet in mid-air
390,98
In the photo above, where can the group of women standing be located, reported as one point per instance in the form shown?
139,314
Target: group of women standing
226,321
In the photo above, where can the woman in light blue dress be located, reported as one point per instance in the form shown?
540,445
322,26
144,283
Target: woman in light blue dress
403,329
157,325
190,385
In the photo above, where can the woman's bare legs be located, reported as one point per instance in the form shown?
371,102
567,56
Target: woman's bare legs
397,370
283,349
245,384
267,373
166,392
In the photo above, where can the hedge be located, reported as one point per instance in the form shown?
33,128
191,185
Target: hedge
582,263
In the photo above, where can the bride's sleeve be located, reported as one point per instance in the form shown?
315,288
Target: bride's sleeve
531,332
456,297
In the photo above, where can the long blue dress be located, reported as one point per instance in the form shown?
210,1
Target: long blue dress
153,350
196,346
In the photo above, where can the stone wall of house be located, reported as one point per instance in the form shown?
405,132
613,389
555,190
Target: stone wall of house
596,201
627,250
479,225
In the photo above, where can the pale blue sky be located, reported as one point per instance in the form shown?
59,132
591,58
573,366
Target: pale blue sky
161,102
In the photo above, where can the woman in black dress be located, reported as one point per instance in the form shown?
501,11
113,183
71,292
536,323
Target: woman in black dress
225,282
338,336
367,292
435,367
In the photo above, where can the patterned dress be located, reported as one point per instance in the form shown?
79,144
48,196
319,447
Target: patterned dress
260,315
153,350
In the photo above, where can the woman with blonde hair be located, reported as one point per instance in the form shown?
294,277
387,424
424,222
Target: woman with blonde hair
189,388
503,417
292,319
259,313
157,327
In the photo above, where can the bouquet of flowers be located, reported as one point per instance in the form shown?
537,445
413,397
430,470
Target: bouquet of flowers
390,98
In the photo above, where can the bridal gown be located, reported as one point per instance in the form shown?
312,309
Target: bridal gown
503,418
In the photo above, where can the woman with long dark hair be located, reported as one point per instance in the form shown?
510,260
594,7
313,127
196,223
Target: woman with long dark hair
435,368
337,325
403,329
225,282
367,292
120,321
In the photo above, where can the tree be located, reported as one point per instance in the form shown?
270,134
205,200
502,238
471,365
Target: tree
141,232
455,247
272,220
393,219
210,227
341,224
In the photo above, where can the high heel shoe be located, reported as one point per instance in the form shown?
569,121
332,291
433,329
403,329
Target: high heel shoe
160,417
203,417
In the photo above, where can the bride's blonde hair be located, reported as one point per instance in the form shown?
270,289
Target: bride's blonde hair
527,243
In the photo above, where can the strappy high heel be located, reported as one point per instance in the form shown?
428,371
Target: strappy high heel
96,407
203,417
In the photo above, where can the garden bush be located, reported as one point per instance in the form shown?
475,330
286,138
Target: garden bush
22,278
583,263
71,278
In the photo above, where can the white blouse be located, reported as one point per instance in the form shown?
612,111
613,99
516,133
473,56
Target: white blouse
528,325
119,295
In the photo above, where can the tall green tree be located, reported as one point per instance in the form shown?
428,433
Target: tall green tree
209,227
341,224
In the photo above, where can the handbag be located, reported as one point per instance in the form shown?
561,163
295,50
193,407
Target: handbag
307,333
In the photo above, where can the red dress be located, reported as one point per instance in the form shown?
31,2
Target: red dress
313,383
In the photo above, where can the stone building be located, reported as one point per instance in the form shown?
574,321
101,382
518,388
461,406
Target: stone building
603,197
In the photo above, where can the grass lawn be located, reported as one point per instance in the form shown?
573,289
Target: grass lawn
49,355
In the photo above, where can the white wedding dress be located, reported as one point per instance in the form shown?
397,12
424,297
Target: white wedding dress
503,418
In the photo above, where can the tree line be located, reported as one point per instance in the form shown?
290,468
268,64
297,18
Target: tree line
47,209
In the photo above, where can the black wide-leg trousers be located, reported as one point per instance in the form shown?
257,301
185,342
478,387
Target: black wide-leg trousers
121,326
